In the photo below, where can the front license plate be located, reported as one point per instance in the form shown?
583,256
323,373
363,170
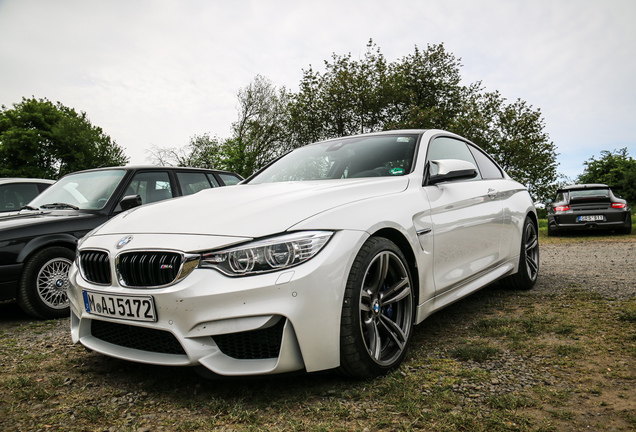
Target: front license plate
137,308
594,218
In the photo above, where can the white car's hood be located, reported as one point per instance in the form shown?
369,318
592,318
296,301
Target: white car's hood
249,210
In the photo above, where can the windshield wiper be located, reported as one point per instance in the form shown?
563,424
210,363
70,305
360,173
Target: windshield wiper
59,206
28,207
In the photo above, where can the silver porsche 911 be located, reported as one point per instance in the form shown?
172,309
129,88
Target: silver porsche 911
325,259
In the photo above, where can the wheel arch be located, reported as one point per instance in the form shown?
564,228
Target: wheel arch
37,244
405,246
533,216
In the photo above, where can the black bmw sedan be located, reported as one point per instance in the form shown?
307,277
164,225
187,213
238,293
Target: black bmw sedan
588,206
37,245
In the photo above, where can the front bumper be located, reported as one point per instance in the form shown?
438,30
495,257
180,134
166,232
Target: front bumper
208,319
9,276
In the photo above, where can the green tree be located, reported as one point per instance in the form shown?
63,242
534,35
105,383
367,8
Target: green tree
352,96
513,133
616,169
259,135
423,90
42,139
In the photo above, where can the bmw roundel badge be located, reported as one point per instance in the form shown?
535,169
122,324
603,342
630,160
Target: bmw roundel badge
123,242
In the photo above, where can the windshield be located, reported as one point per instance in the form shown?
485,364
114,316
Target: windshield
86,191
372,156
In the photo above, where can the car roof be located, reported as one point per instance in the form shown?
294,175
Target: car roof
7,180
156,167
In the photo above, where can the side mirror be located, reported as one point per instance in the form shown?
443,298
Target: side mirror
130,201
548,201
450,169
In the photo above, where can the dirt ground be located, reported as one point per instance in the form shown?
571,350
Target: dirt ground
47,383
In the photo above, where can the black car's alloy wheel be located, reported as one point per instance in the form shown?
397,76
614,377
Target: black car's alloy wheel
377,314
43,287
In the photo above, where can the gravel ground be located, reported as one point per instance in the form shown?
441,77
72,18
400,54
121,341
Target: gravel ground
607,269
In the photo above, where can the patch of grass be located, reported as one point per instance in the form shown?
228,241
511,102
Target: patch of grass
477,352
516,328
628,314
510,401
93,414
573,351
25,388
561,414
552,396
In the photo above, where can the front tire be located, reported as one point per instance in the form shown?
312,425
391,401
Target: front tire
42,292
526,276
377,313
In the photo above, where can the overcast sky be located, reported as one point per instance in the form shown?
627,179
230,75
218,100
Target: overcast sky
157,72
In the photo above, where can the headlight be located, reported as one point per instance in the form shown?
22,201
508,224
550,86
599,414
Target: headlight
267,255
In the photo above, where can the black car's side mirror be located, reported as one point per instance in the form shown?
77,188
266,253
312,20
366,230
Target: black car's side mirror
130,201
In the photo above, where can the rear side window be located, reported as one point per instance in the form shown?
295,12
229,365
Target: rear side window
193,182
489,169
151,186
229,179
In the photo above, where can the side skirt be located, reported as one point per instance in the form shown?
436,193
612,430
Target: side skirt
464,289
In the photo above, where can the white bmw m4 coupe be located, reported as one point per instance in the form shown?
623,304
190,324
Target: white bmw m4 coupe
325,259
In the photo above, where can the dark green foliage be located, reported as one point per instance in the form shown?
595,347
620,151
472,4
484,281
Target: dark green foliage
352,96
422,90
46,140
616,169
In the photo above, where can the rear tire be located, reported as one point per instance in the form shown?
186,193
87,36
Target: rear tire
526,276
377,313
42,292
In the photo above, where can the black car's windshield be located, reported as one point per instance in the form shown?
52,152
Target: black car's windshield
373,156
85,191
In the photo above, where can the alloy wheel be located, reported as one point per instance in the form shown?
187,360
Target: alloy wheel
52,283
386,308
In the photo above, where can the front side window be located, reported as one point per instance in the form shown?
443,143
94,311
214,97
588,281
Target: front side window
449,148
355,157
86,191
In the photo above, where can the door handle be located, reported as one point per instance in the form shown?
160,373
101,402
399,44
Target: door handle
492,193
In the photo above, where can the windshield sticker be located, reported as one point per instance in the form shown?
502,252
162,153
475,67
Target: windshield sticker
404,139
397,171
